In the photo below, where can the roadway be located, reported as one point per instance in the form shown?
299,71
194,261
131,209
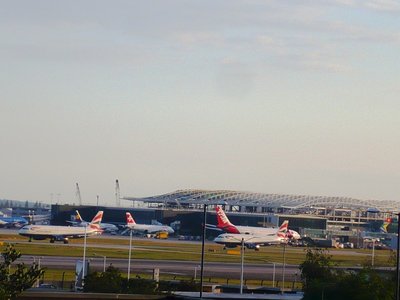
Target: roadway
172,267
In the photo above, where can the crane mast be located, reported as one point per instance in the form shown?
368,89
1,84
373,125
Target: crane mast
78,194
117,194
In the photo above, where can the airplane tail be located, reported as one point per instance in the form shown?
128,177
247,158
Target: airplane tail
78,217
129,219
95,224
223,221
385,225
283,229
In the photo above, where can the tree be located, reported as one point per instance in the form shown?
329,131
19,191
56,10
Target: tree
109,281
13,282
322,281
366,284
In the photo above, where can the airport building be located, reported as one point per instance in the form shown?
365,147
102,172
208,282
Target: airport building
313,216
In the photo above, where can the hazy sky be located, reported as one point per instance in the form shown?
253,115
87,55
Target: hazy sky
293,97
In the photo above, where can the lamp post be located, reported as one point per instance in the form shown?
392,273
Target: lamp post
283,267
273,276
241,265
373,252
202,249
130,251
38,280
104,263
84,256
397,259
104,260
195,272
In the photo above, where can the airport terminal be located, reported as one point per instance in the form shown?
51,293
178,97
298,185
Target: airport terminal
318,217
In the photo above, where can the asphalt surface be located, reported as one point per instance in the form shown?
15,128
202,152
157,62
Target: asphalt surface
172,267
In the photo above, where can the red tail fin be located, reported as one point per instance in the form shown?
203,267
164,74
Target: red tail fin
95,224
129,219
223,221
97,218
283,229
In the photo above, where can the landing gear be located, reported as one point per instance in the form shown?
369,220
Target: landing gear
65,241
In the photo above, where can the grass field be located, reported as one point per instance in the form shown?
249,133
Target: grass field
171,250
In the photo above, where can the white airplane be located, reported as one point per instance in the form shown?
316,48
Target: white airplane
106,227
253,241
225,225
131,224
62,233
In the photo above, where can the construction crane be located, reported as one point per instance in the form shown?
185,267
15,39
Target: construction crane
78,194
117,194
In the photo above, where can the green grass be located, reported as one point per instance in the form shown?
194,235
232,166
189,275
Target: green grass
169,250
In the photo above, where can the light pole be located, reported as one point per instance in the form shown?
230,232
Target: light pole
283,267
241,265
104,261
202,249
195,272
84,256
397,293
373,252
38,280
273,276
130,251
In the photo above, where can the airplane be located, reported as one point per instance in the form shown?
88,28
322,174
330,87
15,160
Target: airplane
62,233
225,225
106,227
254,241
13,221
131,224
385,225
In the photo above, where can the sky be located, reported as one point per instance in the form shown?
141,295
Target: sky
283,97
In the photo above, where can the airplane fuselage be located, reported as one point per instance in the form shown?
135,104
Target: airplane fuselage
55,233
150,228
231,240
